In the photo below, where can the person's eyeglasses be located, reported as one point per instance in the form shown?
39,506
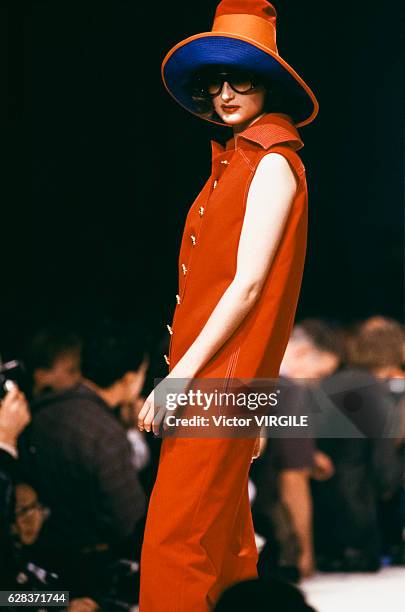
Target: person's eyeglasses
242,83
24,511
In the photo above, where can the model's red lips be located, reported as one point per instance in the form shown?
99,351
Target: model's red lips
229,108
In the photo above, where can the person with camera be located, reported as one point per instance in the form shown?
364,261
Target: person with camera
14,417
77,456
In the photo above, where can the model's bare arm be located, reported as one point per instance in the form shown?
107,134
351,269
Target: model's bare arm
268,204
269,201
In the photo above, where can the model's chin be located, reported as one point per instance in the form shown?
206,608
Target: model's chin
232,118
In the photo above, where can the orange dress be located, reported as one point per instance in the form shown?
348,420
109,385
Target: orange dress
199,535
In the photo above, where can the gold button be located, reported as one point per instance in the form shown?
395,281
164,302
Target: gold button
170,329
215,184
193,239
167,359
178,298
184,268
225,162
201,210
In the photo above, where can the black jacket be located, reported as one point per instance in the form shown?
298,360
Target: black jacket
77,456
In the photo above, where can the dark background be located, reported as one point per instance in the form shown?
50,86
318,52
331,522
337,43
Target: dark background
101,165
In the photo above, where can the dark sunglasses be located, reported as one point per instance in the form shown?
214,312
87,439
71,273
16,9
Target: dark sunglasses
240,82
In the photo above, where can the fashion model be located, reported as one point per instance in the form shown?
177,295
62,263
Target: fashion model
240,270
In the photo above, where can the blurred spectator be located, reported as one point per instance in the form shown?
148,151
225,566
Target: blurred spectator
262,596
29,518
345,519
377,345
282,509
315,350
29,514
285,470
53,359
78,458
14,417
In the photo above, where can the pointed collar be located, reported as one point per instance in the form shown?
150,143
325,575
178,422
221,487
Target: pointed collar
271,129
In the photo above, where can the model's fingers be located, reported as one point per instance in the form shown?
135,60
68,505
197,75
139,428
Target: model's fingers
147,422
143,411
166,414
157,420
142,414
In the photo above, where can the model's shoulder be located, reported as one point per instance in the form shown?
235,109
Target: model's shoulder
275,166
283,161
273,159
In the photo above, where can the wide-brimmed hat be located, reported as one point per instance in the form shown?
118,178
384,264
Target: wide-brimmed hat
243,36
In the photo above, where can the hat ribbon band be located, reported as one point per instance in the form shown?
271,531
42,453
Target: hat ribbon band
250,26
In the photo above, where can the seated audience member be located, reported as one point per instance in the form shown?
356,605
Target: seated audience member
314,350
32,563
377,345
29,519
262,596
76,455
14,417
366,468
282,510
29,514
53,359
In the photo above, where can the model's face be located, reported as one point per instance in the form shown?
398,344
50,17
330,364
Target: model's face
239,108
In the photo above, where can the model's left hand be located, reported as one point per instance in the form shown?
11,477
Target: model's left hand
152,414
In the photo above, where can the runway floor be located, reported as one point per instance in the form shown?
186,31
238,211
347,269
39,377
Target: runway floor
380,592
383,591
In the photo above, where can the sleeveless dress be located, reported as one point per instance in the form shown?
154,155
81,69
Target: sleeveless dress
199,535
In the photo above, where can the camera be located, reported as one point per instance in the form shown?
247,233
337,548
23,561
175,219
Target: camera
11,372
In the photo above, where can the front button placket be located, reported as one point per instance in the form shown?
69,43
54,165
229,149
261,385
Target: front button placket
219,166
